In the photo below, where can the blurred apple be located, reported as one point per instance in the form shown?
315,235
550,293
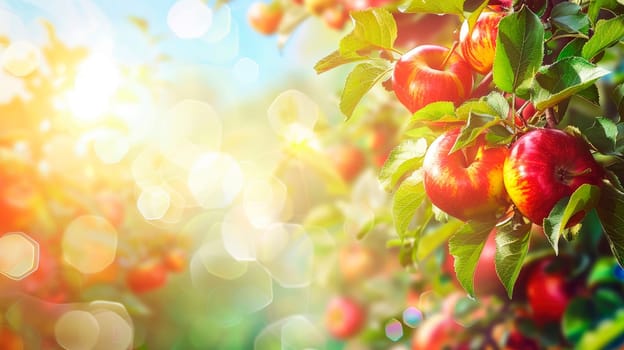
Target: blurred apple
175,260
348,160
10,340
146,276
344,317
356,262
436,332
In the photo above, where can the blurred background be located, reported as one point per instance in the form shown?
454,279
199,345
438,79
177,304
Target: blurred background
171,178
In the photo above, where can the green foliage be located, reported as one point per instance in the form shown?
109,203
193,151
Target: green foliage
519,50
466,246
607,33
569,17
562,79
403,160
361,79
611,212
583,199
407,199
512,246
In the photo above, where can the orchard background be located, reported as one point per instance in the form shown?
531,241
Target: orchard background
311,174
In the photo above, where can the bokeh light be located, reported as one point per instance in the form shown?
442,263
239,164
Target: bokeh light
77,330
20,58
394,330
246,70
292,109
90,243
154,202
412,317
20,255
189,19
215,179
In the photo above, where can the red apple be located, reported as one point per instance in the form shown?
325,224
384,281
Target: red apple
335,17
146,276
421,76
479,45
344,317
468,183
547,293
527,112
544,166
348,160
436,332
265,18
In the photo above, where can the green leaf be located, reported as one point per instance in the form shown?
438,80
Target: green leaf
577,319
602,134
583,199
606,33
603,272
512,246
466,246
407,199
335,59
499,135
433,6
374,30
611,213
361,79
498,103
404,159
474,107
476,125
594,8
606,332
519,50
573,48
434,111
564,78
435,238
569,17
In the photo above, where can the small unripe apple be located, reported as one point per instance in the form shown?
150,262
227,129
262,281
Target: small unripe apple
344,317
265,18
546,165
428,74
547,293
479,45
468,183
147,276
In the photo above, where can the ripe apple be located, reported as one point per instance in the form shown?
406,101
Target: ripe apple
356,262
265,18
544,166
344,317
527,113
146,276
468,183
547,292
421,76
348,160
335,17
436,332
478,47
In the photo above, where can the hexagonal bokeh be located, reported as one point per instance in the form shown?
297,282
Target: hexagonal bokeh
20,255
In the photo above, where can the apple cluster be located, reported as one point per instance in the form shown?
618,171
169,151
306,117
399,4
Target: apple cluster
480,181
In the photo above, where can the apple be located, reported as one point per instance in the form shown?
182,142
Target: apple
146,276
436,332
317,7
479,45
335,17
421,76
348,160
544,166
547,292
361,5
175,260
527,112
265,18
356,262
10,340
468,183
486,281
344,317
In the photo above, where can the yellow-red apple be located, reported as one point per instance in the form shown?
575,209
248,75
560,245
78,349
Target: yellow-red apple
468,183
430,73
479,45
546,165
344,317
265,18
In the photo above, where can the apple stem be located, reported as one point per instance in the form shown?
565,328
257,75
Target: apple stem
551,120
519,112
449,54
